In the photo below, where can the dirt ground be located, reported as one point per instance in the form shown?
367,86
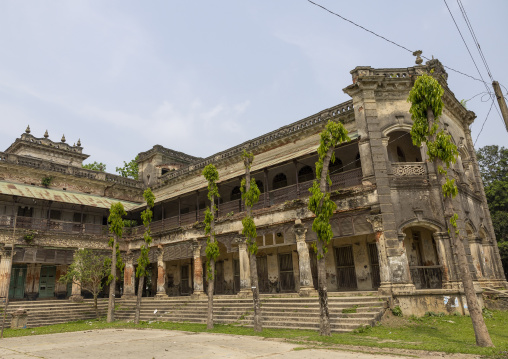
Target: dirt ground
155,344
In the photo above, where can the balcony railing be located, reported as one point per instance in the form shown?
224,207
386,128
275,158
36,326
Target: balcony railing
427,277
274,197
50,225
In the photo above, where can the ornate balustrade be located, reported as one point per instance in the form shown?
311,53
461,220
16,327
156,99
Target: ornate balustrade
69,170
408,169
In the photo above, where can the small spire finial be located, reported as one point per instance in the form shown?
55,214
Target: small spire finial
63,138
27,129
46,135
79,142
419,60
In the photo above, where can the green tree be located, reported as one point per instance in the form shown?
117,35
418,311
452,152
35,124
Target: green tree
129,169
426,108
95,166
88,269
116,223
323,207
212,248
144,260
493,162
250,196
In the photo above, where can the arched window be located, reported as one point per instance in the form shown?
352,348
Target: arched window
336,167
400,155
236,194
305,174
280,181
260,186
358,163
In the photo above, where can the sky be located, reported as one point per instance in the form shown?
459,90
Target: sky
200,76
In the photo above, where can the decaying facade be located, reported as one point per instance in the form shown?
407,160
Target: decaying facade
389,229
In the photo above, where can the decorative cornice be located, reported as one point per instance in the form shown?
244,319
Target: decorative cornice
342,112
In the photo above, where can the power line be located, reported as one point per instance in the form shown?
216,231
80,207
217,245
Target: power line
388,40
484,123
472,58
477,43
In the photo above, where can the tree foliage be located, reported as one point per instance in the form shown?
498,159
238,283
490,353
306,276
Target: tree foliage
427,94
88,269
129,169
212,248
116,224
146,216
319,202
95,166
493,162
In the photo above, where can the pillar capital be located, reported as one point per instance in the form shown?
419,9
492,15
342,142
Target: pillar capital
299,230
376,221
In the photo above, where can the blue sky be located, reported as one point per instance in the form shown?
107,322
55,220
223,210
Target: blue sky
202,76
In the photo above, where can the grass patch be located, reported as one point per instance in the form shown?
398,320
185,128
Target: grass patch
450,334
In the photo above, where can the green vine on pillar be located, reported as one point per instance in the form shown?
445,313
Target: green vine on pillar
212,248
320,203
250,196
146,216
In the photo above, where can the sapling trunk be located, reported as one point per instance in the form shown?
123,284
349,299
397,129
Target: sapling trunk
141,284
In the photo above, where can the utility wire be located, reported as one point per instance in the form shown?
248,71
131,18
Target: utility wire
388,40
483,123
472,58
477,43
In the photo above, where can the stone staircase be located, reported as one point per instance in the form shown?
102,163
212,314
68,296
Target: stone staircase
348,311
48,312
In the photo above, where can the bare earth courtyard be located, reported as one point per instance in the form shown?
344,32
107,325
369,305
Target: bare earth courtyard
131,343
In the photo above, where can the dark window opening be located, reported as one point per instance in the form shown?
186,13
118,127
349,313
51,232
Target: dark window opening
336,167
25,211
305,174
280,181
56,215
236,193
260,186
358,162
400,155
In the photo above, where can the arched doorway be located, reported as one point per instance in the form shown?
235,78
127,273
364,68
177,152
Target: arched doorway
401,149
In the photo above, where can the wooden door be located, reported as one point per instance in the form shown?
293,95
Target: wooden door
346,273
236,274
17,286
374,265
286,275
263,282
313,268
47,282
219,278
184,280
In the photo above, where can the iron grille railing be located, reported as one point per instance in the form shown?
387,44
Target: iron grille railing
427,277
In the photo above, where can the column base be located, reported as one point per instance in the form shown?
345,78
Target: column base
244,293
387,288
161,295
76,298
307,292
129,296
199,295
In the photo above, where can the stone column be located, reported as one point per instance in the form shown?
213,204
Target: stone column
129,277
306,284
441,254
32,281
60,288
161,274
243,255
198,271
5,272
76,290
